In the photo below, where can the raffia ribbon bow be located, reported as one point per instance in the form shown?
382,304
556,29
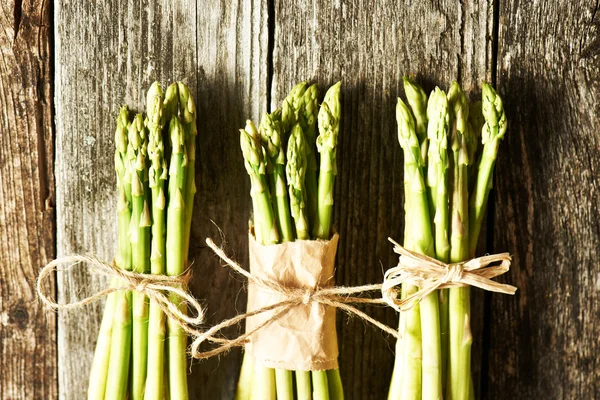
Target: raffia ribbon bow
338,297
430,274
156,287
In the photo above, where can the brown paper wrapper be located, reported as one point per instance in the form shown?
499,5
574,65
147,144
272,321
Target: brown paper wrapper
304,338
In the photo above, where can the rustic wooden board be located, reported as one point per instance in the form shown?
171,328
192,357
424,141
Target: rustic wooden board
371,45
544,342
27,329
232,82
219,50
107,54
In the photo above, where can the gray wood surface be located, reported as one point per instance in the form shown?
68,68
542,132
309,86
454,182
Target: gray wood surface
27,329
544,342
370,45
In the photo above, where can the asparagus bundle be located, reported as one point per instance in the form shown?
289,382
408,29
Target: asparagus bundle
448,177
154,218
292,198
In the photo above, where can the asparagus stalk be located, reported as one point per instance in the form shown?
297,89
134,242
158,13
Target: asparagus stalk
296,170
437,133
492,133
417,100
140,244
175,255
427,385
476,122
270,133
292,108
329,128
459,369
308,122
99,375
155,382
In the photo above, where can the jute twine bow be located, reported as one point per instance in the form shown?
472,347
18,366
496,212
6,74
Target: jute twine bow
156,287
338,297
430,274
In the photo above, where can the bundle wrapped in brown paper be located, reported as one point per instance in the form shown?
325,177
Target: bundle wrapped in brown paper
304,337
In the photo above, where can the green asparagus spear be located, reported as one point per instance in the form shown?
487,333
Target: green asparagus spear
291,108
308,122
329,128
417,100
437,180
296,170
141,222
428,385
459,367
492,133
155,383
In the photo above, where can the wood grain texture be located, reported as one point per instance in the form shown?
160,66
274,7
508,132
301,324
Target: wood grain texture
107,54
370,45
27,329
232,82
544,341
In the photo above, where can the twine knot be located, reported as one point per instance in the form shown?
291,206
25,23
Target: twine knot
156,287
430,274
308,294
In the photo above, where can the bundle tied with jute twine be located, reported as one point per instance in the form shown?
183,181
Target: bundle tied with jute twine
290,319
156,287
430,274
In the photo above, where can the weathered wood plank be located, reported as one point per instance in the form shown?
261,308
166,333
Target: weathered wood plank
232,82
107,55
544,341
27,329
371,45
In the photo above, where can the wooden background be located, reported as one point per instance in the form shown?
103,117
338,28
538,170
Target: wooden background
67,66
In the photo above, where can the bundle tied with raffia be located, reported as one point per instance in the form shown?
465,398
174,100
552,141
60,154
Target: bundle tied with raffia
290,319
430,274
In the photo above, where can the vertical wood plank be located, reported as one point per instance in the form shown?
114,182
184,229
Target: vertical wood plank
27,329
544,341
371,45
107,54
232,81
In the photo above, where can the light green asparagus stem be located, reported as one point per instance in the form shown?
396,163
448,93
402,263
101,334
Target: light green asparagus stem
437,181
459,367
256,166
188,119
310,112
296,170
100,364
244,386
284,384
175,254
155,383
329,128
120,350
320,385
137,152
334,380
417,100
421,240
303,385
270,133
395,390
492,133
263,387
